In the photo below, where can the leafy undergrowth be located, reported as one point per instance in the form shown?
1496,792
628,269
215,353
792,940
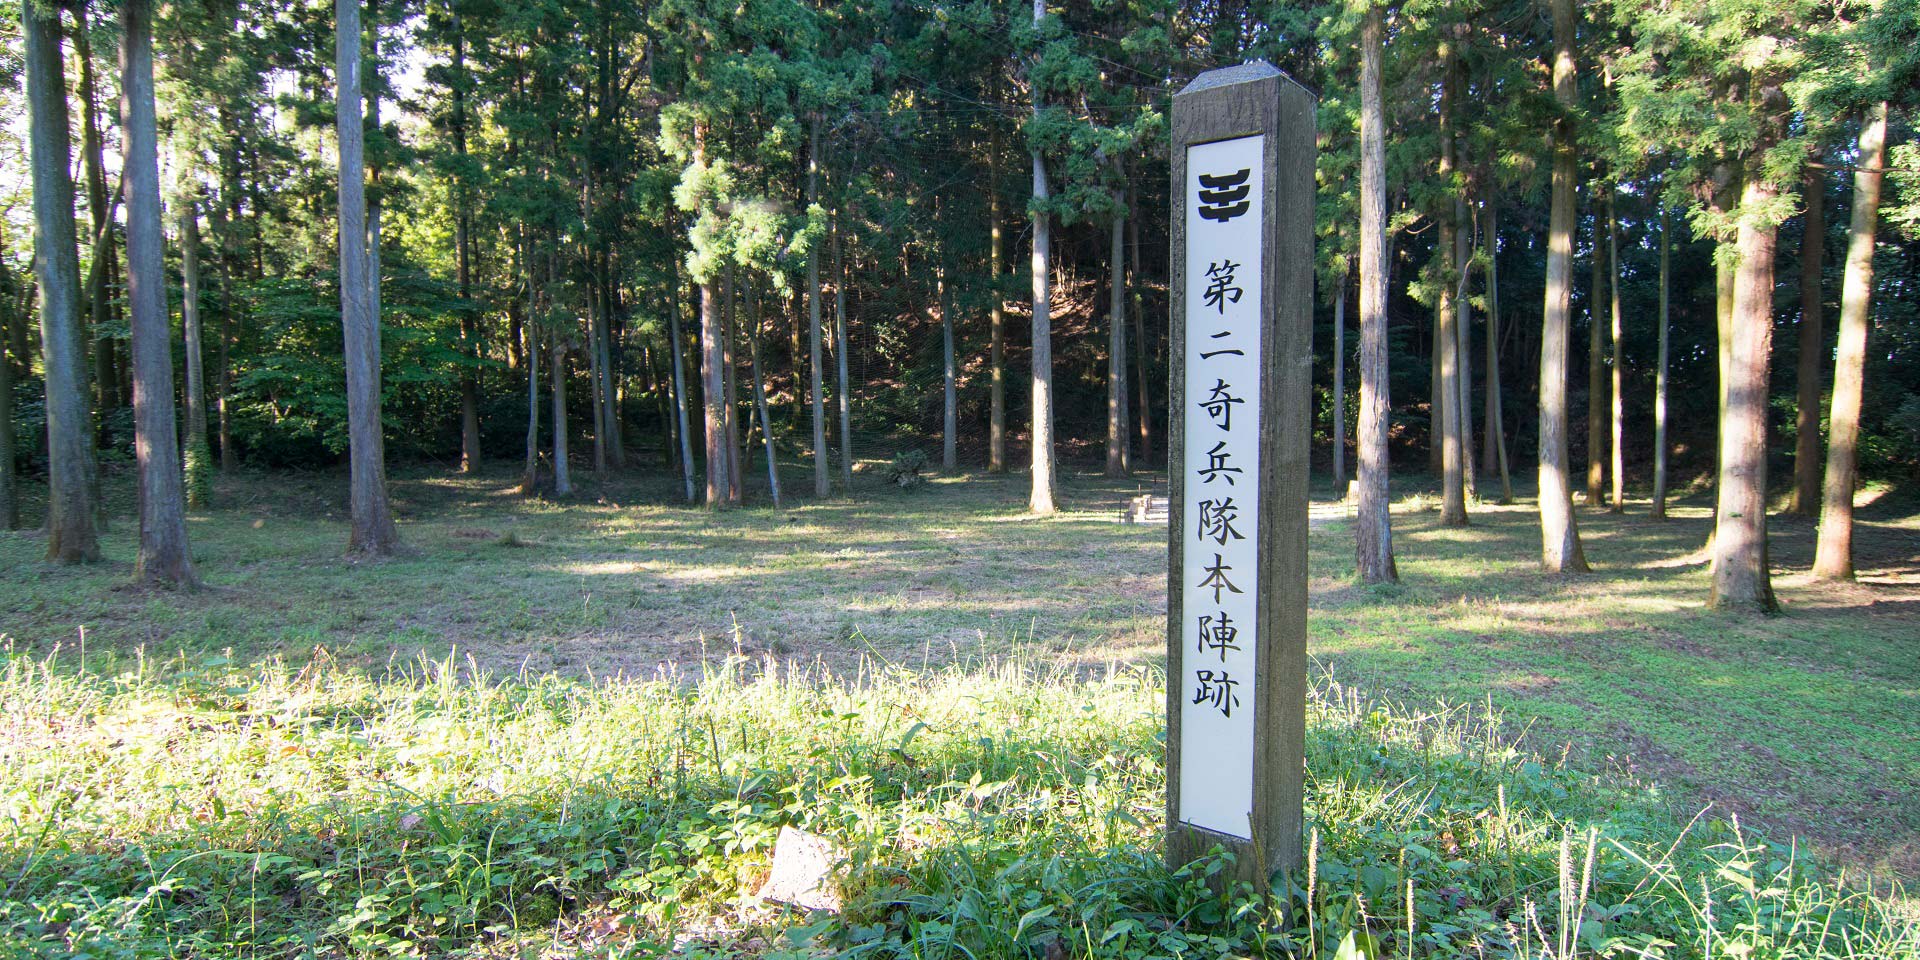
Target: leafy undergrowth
204,809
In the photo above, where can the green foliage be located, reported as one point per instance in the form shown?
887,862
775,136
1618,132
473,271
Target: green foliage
905,470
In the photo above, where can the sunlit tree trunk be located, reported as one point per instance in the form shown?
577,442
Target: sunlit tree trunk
714,392
1597,300
675,348
996,322
1040,499
530,469
1833,557
1117,465
1373,524
562,470
1741,578
70,460
730,382
164,556
1340,387
1806,443
1463,349
1495,453
840,360
1660,377
1616,333
1559,537
949,398
1446,334
822,484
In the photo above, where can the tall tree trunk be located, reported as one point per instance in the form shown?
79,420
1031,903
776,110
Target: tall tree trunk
530,468
164,557
1559,536
99,274
463,262
373,531
9,471
713,390
1117,465
1340,387
1463,349
1833,558
1660,378
1596,360
1373,524
1806,441
199,458
70,460
1741,578
1446,333
840,360
1496,441
1142,394
562,471
950,404
1617,334
822,485
223,379
1041,497
675,347
610,378
996,321
760,399
596,383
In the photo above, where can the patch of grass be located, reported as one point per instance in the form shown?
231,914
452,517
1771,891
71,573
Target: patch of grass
198,807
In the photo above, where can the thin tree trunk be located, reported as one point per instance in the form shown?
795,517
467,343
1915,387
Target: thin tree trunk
373,531
822,484
164,556
1340,387
1141,393
675,348
1463,349
1833,558
1741,578
596,382
730,380
1446,333
199,459
1041,498
70,457
1596,361
99,290
562,472
713,390
950,404
9,471
1496,443
840,360
530,469
610,379
1559,536
1660,378
223,380
463,263
996,321
1616,332
760,400
1806,443
1373,524
1117,446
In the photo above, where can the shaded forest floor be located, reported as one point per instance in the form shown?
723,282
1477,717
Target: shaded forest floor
1802,725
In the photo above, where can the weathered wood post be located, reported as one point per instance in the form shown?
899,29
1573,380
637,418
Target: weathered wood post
1242,264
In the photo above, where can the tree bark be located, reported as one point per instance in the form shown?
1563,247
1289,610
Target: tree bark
98,288
1142,395
1117,445
1340,387
822,484
1616,333
1660,377
1596,361
71,505
1446,333
1833,557
223,378
840,360
675,348
950,402
199,458
760,400
730,381
562,471
996,322
530,468
1040,499
1463,349
1806,441
1559,536
1741,578
164,556
1373,524
373,531
1496,441
713,390
463,263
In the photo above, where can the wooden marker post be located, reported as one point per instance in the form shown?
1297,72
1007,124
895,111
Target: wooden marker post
1242,293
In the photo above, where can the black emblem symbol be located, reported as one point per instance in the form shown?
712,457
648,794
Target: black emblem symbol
1224,197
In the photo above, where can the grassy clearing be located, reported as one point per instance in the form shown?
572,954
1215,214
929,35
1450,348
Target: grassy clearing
628,727
189,809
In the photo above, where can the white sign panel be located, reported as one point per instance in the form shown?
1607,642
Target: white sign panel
1222,506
